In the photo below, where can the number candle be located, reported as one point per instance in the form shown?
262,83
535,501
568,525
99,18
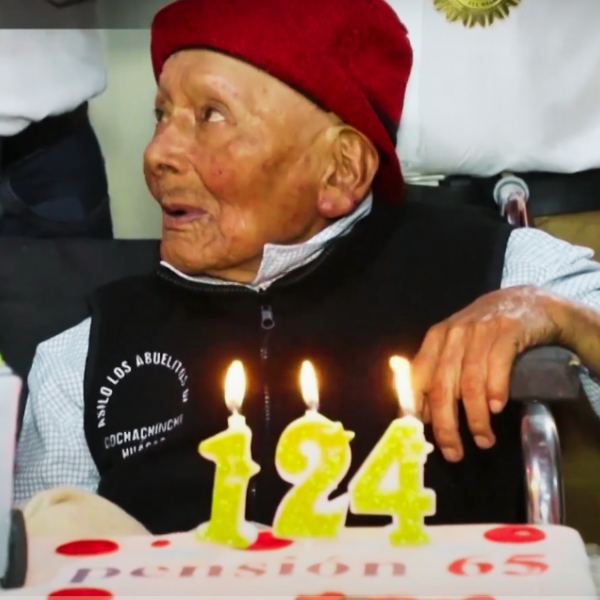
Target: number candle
313,453
230,450
390,481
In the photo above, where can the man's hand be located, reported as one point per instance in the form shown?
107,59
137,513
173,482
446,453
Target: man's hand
470,356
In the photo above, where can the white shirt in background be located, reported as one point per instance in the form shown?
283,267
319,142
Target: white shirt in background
46,72
521,94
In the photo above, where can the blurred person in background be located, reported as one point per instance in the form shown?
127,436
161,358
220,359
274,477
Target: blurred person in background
52,174
503,100
503,88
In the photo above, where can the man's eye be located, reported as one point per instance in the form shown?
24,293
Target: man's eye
212,115
159,114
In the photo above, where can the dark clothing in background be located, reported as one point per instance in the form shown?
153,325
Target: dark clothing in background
59,190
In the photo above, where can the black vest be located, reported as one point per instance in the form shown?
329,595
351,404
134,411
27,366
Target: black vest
160,347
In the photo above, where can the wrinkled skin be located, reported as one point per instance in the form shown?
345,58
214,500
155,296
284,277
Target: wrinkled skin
249,161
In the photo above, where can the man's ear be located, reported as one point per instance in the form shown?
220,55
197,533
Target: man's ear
348,178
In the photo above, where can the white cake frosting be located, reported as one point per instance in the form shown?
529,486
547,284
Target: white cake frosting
473,562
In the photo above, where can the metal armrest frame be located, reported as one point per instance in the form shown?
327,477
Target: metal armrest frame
540,376
542,461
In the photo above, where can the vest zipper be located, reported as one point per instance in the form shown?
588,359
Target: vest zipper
267,323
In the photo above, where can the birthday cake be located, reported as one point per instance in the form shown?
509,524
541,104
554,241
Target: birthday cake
309,553
473,562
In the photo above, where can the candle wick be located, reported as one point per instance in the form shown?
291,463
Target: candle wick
313,406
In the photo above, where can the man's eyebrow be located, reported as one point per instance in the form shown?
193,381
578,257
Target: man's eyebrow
211,83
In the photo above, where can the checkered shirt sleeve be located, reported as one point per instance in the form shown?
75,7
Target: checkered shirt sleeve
52,449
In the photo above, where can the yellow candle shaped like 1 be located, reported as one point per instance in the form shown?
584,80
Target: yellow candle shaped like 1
390,481
230,451
313,453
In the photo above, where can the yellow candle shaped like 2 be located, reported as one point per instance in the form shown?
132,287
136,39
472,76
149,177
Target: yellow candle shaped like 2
390,481
313,453
230,451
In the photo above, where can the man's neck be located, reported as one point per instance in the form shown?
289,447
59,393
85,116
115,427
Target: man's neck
279,260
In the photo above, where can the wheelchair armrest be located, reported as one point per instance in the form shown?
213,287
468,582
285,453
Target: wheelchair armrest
542,462
547,373
540,375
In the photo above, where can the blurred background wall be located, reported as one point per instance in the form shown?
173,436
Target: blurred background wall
124,121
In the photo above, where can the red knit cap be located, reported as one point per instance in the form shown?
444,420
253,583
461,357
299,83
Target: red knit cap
351,57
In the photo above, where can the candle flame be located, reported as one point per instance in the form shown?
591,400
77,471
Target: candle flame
309,385
235,386
402,383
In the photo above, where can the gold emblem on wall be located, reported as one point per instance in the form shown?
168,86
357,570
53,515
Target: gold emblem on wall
475,12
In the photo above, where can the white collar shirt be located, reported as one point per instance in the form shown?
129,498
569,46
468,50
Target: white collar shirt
278,260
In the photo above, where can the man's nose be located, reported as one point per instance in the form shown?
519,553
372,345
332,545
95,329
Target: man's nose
167,151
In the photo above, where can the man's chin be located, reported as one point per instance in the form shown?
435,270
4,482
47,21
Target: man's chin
186,258
183,257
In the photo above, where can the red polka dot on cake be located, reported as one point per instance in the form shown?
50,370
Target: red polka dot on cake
81,593
515,534
267,541
160,543
87,548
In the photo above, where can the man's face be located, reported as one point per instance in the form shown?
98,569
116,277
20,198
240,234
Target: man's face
236,162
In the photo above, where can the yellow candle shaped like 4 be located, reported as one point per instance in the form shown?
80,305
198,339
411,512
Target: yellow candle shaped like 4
390,481
313,453
230,451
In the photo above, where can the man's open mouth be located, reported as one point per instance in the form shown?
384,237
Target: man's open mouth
176,214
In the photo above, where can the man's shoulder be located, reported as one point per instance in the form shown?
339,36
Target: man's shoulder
435,228
72,342
127,289
127,293
124,300
449,245
446,217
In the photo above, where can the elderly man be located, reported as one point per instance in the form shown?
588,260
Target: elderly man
285,238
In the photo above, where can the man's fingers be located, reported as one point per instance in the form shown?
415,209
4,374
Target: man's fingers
443,394
473,385
500,361
424,365
467,361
